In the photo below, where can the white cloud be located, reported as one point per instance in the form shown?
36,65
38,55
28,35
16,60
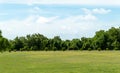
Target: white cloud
88,17
70,27
101,11
35,10
96,11
83,2
29,25
44,20
87,11
67,28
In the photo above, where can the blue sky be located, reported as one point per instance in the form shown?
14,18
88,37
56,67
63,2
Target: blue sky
67,19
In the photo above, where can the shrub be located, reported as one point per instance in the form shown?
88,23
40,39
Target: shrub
116,48
89,49
99,49
46,48
107,48
54,48
81,49
63,49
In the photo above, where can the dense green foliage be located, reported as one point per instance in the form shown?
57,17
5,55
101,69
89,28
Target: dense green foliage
60,62
4,43
103,40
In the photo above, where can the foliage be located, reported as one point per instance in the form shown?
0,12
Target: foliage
103,40
4,43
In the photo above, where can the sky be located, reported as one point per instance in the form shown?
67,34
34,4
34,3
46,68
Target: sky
65,18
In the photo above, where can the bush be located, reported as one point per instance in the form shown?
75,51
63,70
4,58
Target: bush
63,49
9,50
89,49
107,48
54,48
116,48
99,49
46,48
21,49
81,48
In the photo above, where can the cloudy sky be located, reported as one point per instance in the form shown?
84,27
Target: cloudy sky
66,18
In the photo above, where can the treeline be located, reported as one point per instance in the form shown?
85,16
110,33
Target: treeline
103,40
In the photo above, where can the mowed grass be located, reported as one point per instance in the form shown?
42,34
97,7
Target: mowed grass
60,62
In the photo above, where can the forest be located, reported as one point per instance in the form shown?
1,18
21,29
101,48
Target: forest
102,40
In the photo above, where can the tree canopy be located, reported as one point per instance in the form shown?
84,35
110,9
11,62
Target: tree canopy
102,40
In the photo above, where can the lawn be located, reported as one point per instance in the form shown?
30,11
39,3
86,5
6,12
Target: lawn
60,62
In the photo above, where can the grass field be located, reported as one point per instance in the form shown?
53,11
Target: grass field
60,62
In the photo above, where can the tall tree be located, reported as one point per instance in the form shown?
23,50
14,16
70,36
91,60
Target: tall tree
4,43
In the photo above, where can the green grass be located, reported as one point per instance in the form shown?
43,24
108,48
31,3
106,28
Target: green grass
60,62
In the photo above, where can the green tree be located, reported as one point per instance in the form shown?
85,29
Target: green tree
86,43
4,43
57,43
100,40
75,44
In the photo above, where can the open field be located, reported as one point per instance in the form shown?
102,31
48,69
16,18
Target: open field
60,62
